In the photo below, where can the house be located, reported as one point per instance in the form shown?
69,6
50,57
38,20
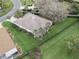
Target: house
7,48
33,24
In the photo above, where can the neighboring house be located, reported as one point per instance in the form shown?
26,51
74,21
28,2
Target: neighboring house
7,48
33,24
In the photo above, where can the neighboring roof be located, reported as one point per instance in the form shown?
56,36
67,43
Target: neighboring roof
6,42
31,22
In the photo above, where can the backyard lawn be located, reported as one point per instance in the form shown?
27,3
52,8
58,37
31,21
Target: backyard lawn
59,27
58,35
23,39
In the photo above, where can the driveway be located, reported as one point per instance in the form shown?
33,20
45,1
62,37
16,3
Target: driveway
17,5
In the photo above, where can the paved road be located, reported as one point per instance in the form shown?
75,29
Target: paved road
17,5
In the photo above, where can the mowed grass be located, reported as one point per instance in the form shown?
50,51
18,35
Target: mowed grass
23,39
27,57
59,27
56,47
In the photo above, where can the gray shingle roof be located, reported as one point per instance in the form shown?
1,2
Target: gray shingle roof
31,22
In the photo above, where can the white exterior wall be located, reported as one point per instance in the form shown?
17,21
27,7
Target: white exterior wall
11,52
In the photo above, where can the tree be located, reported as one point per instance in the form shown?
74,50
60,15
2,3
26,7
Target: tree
4,4
18,14
73,44
51,9
74,9
1,3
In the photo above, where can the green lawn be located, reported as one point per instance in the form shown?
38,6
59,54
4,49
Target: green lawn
59,27
24,40
6,8
55,47
27,57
